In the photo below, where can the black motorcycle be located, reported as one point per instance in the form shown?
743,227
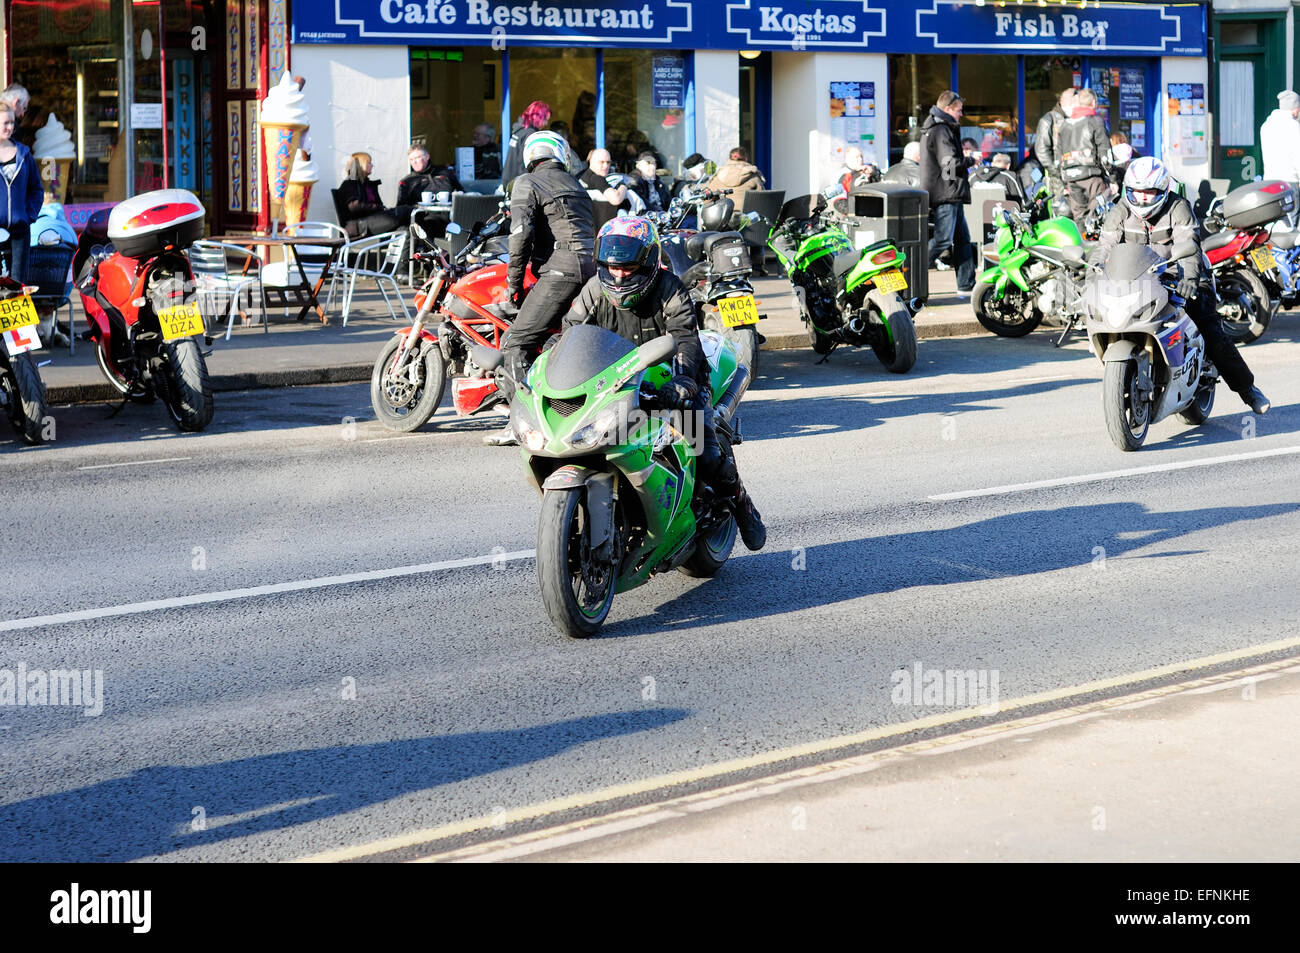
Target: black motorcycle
22,392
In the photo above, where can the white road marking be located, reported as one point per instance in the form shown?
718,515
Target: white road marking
1112,474
135,463
404,436
1038,380
252,592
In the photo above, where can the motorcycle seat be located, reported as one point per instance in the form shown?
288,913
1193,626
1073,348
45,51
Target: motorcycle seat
1283,240
845,262
694,245
1218,240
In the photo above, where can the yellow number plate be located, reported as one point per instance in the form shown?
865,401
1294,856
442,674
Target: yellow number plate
17,313
1263,258
180,321
892,280
737,312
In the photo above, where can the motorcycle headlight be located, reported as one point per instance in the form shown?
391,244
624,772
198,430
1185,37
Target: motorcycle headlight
600,429
526,430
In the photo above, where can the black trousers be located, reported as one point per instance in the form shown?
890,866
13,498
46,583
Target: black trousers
1222,352
717,461
539,316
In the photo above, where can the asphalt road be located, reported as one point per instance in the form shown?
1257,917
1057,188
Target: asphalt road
287,723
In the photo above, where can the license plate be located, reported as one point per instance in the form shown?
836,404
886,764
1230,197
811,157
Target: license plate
180,321
737,312
892,280
17,312
1263,258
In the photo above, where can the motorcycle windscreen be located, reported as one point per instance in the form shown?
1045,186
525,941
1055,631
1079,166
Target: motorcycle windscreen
583,352
1129,262
803,207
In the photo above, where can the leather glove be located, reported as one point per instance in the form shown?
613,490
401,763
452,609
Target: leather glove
679,392
516,297
1186,287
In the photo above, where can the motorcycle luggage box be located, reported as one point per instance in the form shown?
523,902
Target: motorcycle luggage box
1258,203
149,223
728,254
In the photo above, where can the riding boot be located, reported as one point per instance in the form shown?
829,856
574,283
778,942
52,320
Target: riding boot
748,521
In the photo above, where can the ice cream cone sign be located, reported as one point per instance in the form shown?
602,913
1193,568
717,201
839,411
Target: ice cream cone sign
283,118
54,153
301,179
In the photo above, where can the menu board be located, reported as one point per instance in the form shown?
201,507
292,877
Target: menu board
853,118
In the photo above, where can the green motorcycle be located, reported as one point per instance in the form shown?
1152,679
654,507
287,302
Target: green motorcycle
1034,280
620,499
844,295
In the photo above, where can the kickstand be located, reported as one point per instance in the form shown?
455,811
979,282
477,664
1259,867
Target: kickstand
120,407
1065,333
827,356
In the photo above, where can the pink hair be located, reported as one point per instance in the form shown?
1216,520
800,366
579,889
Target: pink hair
537,115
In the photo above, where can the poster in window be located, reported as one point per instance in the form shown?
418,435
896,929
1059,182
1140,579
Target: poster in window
668,82
1132,94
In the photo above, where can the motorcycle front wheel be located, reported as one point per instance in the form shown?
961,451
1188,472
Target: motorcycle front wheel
1004,316
576,591
1244,305
25,396
189,393
1127,418
400,404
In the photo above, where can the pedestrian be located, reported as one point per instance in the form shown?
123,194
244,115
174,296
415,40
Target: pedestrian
533,119
737,173
906,170
645,183
944,176
1045,146
552,228
1279,142
20,180
998,172
1081,145
487,152
857,170
971,150
364,211
596,179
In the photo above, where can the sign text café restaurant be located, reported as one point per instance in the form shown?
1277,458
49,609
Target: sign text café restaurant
794,81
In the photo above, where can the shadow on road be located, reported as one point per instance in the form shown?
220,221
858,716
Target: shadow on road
150,811
1011,545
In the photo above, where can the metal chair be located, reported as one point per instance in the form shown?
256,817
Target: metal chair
468,211
47,268
391,245
767,203
215,283
284,274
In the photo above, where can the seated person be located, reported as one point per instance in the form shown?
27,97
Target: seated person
424,178
696,170
998,172
857,169
907,170
487,152
645,183
364,212
737,173
596,180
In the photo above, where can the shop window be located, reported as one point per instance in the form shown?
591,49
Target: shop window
69,59
1236,33
1046,77
1121,90
453,93
1237,125
989,116
645,92
564,79
915,82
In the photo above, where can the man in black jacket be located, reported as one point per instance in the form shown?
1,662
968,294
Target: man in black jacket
1082,144
552,227
943,175
1150,214
1045,146
635,298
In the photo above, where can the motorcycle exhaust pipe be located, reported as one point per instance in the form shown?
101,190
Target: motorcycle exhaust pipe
726,407
857,325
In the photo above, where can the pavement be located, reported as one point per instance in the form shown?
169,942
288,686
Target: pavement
293,353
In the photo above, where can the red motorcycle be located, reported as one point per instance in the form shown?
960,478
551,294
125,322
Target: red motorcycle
1241,258
137,290
468,292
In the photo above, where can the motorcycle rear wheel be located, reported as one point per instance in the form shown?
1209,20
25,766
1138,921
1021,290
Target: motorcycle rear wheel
189,393
743,339
26,397
711,552
1198,411
993,314
565,566
1254,305
898,352
400,405
1127,421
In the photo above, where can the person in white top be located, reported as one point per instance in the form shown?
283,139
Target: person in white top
1279,142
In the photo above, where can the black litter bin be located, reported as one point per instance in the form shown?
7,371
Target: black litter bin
900,213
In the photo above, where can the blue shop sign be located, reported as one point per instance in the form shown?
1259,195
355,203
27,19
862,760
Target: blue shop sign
877,26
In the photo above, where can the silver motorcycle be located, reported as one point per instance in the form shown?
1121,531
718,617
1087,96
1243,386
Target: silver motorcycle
1154,357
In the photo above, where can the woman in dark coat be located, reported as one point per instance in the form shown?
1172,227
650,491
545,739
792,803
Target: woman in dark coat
535,117
364,212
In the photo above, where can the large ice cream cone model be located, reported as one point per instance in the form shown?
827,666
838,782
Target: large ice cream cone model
54,154
283,119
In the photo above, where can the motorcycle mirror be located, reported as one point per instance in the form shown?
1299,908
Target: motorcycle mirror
655,352
452,228
4,235
752,217
486,357
420,232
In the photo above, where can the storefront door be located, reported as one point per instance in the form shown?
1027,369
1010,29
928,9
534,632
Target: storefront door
237,185
1249,72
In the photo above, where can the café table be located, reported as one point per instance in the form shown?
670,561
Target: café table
304,290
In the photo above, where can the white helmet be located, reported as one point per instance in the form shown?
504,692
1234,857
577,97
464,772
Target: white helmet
543,145
1146,186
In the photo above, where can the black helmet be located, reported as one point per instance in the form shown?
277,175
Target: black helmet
632,242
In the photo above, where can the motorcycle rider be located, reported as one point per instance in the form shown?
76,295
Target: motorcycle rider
635,298
1150,214
552,226
1082,144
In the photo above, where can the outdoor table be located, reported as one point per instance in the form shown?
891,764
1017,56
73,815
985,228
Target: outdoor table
306,288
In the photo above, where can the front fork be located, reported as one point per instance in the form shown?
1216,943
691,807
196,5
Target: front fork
431,299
